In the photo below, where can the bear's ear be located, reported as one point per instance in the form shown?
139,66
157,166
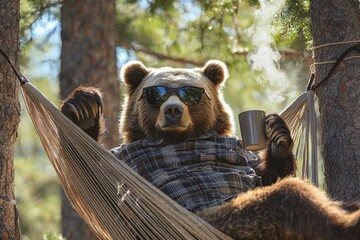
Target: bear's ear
216,71
133,73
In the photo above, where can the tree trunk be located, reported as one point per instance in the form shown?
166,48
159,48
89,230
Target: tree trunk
89,57
335,21
9,117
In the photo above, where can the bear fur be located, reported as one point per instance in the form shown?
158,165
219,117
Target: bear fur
284,208
142,121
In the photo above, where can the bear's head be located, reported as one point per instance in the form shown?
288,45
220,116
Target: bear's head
174,104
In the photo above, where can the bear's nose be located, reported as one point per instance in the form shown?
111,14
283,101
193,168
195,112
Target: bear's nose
173,113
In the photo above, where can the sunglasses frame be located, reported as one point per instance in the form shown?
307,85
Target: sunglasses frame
170,91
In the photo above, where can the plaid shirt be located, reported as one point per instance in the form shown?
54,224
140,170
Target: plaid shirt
198,173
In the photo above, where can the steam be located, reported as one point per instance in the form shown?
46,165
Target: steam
266,58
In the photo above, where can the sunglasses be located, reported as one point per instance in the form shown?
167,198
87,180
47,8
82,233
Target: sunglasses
157,95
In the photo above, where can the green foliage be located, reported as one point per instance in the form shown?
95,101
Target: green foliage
52,236
37,195
188,29
293,23
32,11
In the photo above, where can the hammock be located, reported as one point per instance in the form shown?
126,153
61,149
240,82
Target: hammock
115,201
300,117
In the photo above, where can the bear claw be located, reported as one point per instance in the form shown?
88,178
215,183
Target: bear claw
83,107
278,134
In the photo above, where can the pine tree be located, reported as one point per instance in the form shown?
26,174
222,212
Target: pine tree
9,117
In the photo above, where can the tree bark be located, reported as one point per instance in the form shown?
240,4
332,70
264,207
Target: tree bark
9,117
88,57
335,21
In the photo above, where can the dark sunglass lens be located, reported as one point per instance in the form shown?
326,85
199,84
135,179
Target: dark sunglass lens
190,95
155,95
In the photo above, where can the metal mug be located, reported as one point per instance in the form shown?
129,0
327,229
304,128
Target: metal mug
252,126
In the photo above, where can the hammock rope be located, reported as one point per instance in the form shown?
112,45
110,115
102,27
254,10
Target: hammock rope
115,201
343,57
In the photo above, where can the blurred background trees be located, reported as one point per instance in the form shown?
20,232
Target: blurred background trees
88,57
264,43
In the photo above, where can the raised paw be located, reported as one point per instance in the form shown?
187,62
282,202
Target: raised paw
84,107
280,142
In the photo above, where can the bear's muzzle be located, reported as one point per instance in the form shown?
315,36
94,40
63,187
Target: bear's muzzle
173,114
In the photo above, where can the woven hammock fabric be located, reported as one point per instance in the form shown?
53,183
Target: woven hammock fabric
113,200
300,117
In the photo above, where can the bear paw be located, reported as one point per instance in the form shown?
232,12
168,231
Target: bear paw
84,107
280,142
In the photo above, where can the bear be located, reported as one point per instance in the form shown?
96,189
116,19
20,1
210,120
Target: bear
184,129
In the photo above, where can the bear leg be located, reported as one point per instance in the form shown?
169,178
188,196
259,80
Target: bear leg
277,160
289,209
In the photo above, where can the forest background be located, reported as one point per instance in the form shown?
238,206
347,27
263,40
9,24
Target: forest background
266,47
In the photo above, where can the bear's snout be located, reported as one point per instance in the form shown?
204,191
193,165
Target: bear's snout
173,113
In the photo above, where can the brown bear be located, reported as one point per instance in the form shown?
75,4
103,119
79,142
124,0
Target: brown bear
178,133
